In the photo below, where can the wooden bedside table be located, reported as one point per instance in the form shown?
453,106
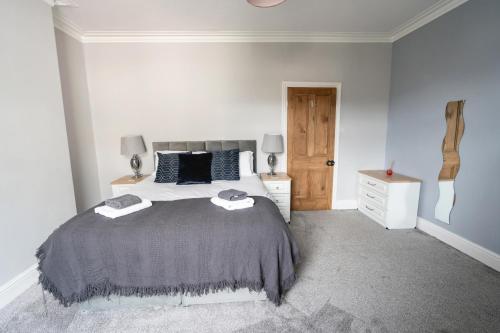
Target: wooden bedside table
124,184
280,188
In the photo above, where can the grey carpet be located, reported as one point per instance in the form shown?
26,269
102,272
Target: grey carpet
355,277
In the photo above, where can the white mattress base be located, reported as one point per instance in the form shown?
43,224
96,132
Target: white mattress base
224,296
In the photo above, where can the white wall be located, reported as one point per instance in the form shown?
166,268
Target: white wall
36,193
232,91
78,121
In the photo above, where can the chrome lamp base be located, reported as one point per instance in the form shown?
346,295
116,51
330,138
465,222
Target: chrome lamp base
136,165
271,161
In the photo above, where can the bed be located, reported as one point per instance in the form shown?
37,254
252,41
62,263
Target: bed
148,189
183,250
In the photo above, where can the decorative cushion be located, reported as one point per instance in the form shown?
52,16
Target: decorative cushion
156,158
195,169
168,167
226,165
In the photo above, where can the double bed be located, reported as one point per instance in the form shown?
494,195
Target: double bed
182,250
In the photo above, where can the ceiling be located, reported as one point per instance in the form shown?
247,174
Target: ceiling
370,17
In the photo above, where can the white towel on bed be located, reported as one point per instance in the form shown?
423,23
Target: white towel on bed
233,205
114,213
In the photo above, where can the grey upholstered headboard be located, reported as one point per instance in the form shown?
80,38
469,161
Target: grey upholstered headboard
242,145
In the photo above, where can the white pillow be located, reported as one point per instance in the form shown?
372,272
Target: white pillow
246,160
246,163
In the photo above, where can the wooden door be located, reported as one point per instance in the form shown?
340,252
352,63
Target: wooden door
310,143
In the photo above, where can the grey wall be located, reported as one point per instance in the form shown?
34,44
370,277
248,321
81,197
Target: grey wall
456,56
229,91
36,194
78,121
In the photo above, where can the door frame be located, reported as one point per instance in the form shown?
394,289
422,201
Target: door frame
284,120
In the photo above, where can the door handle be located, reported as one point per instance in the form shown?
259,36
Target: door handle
330,163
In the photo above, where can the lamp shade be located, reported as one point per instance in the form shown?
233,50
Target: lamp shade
132,144
272,143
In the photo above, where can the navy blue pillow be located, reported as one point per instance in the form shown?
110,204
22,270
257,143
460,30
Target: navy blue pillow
195,169
226,165
168,168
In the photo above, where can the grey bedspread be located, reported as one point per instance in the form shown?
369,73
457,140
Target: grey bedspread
184,246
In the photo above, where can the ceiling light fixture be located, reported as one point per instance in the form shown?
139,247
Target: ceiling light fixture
265,3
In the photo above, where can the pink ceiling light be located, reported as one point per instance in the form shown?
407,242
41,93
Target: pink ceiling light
265,3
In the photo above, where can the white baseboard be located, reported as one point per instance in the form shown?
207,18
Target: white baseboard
345,204
473,250
19,284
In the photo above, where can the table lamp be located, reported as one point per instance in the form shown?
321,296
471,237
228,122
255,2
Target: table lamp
272,144
133,145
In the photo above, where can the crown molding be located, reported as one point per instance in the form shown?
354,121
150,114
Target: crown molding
430,14
423,18
230,37
68,27
53,3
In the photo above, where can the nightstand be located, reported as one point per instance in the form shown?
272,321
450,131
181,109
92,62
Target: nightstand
280,188
124,184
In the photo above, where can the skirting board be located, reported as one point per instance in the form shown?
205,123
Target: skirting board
345,204
19,284
487,257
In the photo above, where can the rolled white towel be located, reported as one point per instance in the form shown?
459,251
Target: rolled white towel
114,213
233,205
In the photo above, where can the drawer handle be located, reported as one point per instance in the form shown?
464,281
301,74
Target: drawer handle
371,184
277,201
370,209
277,187
370,196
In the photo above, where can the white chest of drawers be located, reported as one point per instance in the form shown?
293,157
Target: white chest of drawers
279,187
392,201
